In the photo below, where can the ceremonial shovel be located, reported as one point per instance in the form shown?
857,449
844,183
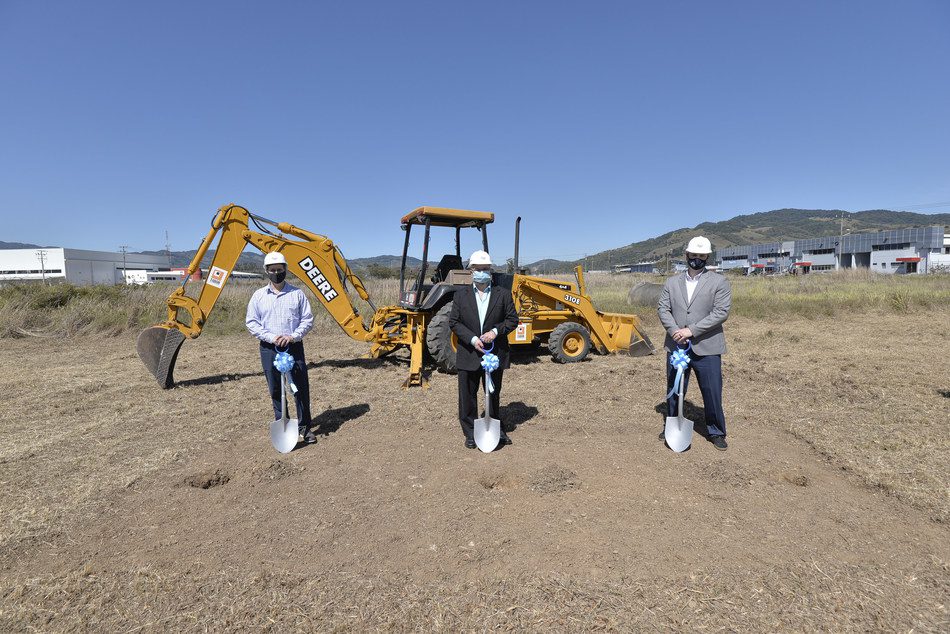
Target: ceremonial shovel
679,430
283,431
487,430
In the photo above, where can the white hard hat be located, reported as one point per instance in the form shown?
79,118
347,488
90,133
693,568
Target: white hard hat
479,257
699,245
274,258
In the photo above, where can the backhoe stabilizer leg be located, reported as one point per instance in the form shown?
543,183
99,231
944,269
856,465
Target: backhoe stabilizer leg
158,348
415,364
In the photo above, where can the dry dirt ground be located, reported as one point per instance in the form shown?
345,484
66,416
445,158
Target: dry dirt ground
126,507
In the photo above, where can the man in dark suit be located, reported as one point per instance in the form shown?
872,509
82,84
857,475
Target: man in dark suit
480,317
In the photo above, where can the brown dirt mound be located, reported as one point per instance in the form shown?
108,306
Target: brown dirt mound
554,479
207,479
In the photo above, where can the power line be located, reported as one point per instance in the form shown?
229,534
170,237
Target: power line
945,203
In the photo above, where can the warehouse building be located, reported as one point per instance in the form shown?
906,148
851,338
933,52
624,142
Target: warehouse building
76,266
639,267
915,250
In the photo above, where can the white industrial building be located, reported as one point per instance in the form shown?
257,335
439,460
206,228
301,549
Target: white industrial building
76,266
144,276
913,250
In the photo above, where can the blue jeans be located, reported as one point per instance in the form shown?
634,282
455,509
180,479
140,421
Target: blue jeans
299,376
708,371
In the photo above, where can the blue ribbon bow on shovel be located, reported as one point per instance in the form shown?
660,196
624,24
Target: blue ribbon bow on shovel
490,362
679,360
284,363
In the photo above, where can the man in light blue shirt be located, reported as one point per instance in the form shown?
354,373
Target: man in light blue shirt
279,316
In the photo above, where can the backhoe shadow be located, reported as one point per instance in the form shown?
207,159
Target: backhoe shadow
366,364
527,356
330,421
217,378
690,411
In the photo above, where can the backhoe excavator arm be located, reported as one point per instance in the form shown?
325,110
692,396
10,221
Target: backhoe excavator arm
314,259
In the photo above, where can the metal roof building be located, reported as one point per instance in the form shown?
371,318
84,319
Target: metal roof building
76,266
896,251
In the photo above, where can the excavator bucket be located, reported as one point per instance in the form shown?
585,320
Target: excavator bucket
158,348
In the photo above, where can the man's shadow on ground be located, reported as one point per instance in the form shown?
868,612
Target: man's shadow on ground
330,421
513,416
517,414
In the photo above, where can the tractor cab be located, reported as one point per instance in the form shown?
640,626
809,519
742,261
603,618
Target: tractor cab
422,289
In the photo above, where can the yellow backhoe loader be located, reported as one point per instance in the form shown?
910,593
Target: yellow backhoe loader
560,313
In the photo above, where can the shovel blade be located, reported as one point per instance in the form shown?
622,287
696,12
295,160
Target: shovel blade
679,433
283,434
158,349
487,433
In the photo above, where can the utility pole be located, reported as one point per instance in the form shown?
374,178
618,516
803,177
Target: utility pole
168,249
840,242
124,249
41,254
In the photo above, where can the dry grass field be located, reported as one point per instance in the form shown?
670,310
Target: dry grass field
129,508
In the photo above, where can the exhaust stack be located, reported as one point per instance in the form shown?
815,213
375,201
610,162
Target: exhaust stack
517,237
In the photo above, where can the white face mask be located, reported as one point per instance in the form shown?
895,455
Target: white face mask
481,277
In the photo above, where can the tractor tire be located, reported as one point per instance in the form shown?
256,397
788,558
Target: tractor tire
569,342
441,342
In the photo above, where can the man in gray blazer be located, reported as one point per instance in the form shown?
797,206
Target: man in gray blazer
692,308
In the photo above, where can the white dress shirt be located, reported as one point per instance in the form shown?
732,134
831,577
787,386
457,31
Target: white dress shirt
273,313
691,283
481,302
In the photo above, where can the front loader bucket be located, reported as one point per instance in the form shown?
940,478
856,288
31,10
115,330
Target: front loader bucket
158,348
626,335
641,348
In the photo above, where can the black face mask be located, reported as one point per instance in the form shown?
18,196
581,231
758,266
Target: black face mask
696,263
276,276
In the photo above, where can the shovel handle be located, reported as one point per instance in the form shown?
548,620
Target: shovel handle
679,396
283,397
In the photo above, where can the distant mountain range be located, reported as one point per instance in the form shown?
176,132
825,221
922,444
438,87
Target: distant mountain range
253,261
19,245
767,226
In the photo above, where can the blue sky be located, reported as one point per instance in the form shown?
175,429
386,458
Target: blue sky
600,123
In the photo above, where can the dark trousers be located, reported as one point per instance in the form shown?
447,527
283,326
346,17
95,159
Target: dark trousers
708,371
470,382
299,375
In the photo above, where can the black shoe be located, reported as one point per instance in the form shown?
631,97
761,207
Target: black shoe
662,435
504,440
308,435
470,444
719,442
